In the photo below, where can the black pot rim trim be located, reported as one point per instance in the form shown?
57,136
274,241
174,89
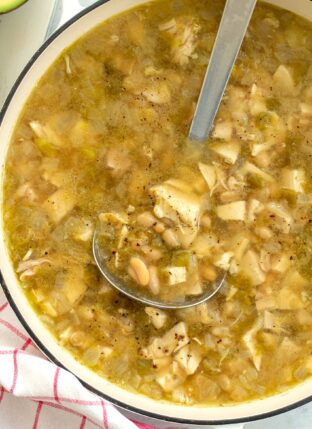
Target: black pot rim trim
44,348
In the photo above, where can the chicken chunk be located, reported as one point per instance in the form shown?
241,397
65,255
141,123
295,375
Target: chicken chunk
176,275
171,377
46,133
250,265
183,31
283,79
289,297
172,341
232,211
189,357
282,218
224,261
175,200
249,168
250,342
118,162
157,317
157,94
209,174
228,151
73,286
293,180
59,204
223,130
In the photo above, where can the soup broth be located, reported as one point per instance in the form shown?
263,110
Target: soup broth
102,142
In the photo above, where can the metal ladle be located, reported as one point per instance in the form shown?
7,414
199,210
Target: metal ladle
235,19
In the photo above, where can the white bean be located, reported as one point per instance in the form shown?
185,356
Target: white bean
78,339
170,238
224,382
229,196
263,160
146,219
154,280
208,273
139,271
264,233
159,227
151,253
205,221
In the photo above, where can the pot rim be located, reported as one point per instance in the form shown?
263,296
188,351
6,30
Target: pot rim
44,348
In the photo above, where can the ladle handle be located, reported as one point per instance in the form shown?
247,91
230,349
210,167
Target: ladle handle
232,29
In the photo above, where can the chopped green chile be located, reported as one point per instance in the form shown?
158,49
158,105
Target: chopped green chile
102,141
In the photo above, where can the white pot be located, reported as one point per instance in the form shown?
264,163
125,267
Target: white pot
163,411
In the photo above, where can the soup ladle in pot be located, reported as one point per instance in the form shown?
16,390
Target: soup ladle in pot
232,29
102,256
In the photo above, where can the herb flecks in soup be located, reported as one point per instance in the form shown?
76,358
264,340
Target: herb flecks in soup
103,139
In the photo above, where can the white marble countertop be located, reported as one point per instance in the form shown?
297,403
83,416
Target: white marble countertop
300,418
16,47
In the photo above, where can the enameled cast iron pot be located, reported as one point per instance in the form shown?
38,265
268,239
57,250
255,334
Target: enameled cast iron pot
134,403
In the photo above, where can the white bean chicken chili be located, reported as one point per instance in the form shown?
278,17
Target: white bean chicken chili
103,140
